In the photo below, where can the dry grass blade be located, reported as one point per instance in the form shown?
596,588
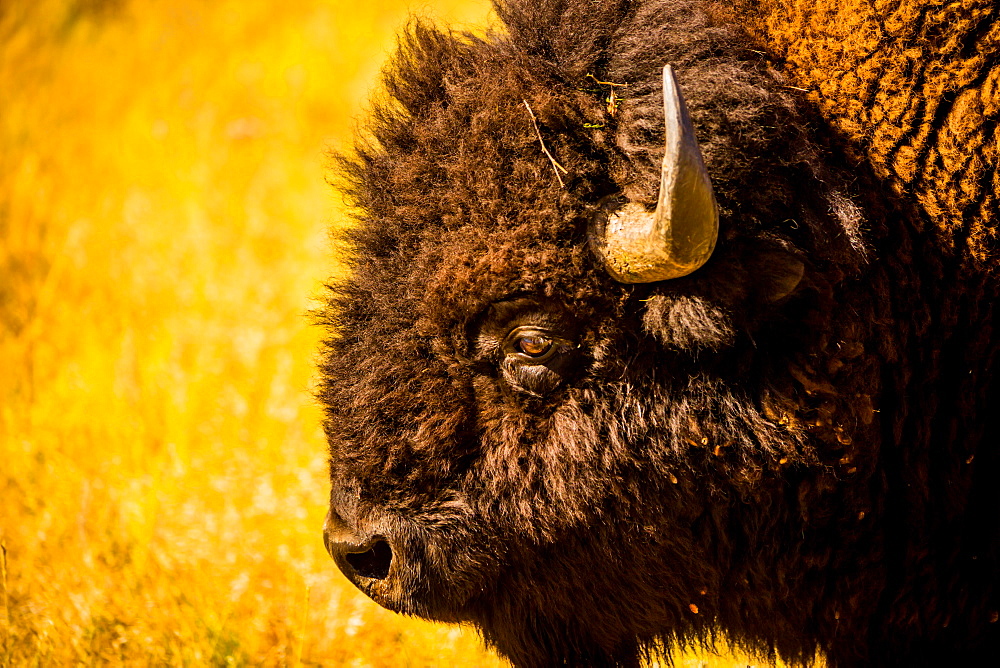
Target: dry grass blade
555,165
3,572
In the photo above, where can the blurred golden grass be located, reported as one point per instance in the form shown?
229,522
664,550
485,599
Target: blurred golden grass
163,222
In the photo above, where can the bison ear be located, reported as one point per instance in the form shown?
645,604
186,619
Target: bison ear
776,273
637,246
779,273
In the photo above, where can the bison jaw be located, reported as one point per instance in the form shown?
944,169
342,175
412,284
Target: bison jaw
637,246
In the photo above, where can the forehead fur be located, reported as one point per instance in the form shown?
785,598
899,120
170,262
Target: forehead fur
459,205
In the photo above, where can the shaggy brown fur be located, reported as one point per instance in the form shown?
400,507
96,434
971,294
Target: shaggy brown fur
808,474
913,86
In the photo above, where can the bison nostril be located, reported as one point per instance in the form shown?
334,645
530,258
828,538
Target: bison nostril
372,563
356,555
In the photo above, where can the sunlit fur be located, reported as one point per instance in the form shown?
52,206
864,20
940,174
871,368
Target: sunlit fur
716,456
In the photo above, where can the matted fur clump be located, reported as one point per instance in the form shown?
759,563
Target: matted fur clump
792,447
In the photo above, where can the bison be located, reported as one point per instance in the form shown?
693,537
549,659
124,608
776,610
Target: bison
653,336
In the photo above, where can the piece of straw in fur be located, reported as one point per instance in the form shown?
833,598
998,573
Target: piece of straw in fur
555,165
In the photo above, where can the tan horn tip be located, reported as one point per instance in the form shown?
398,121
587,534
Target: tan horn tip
638,246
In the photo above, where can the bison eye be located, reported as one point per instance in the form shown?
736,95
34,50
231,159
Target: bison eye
534,346
531,345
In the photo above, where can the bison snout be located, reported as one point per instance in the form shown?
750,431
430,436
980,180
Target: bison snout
357,556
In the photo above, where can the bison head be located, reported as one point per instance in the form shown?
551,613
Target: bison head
529,431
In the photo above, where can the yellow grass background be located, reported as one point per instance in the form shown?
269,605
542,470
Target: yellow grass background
163,229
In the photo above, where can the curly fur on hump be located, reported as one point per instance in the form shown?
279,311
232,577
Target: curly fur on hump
804,466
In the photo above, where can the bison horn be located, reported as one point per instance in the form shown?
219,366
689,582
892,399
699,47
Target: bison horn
637,246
